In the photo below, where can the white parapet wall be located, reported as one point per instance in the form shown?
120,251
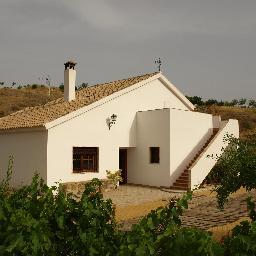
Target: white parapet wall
204,164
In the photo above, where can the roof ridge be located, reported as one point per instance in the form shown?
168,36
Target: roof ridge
45,113
123,79
99,84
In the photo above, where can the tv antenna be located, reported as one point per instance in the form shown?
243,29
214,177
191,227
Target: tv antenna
159,63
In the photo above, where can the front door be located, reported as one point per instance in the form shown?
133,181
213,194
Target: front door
123,164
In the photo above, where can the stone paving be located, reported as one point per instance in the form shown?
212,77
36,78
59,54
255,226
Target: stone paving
202,213
127,195
133,202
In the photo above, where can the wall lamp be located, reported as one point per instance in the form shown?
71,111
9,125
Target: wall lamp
111,121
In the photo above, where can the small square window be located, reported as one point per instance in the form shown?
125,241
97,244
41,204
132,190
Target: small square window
154,155
85,159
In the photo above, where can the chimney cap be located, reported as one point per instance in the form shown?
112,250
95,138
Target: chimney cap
70,64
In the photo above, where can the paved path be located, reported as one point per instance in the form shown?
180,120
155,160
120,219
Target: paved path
127,195
204,213
135,202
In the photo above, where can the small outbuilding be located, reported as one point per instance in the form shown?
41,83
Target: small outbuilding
143,125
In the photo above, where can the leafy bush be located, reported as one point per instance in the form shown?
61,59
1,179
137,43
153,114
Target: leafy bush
236,167
242,241
34,86
35,221
160,233
38,220
61,87
114,177
213,176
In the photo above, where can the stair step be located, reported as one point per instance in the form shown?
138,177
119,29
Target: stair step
179,188
182,182
183,177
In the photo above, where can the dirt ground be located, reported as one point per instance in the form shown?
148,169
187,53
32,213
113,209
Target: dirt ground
134,202
127,195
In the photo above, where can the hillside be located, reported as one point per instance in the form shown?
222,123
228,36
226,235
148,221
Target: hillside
12,100
245,116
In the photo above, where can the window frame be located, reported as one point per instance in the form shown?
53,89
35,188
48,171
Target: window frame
151,157
86,154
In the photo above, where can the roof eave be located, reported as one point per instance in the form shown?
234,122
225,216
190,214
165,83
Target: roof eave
100,102
24,129
176,92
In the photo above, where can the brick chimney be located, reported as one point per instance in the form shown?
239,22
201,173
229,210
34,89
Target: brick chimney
69,81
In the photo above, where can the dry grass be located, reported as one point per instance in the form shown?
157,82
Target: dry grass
220,232
245,116
12,100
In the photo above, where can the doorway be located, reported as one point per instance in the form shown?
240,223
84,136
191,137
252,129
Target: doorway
123,164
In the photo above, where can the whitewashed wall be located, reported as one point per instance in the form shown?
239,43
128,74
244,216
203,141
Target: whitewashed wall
90,130
29,152
153,130
188,133
203,166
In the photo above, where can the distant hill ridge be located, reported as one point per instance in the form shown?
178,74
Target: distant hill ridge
12,100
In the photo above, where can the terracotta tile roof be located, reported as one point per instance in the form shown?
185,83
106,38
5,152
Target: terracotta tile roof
40,115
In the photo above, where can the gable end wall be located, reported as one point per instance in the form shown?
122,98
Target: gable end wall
91,130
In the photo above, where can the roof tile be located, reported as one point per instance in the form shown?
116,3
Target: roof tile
40,115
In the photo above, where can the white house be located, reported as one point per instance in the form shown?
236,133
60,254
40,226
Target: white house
143,125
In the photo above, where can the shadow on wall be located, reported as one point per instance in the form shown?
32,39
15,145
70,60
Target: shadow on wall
132,133
178,171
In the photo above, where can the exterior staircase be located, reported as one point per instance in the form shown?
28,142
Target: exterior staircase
183,181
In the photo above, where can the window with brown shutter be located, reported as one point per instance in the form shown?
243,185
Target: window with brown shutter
85,159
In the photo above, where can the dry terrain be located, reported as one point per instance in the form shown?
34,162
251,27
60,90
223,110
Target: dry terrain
12,100
134,202
245,116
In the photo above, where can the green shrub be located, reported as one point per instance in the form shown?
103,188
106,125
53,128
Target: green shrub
35,221
39,220
160,233
34,86
114,177
61,87
236,167
242,241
